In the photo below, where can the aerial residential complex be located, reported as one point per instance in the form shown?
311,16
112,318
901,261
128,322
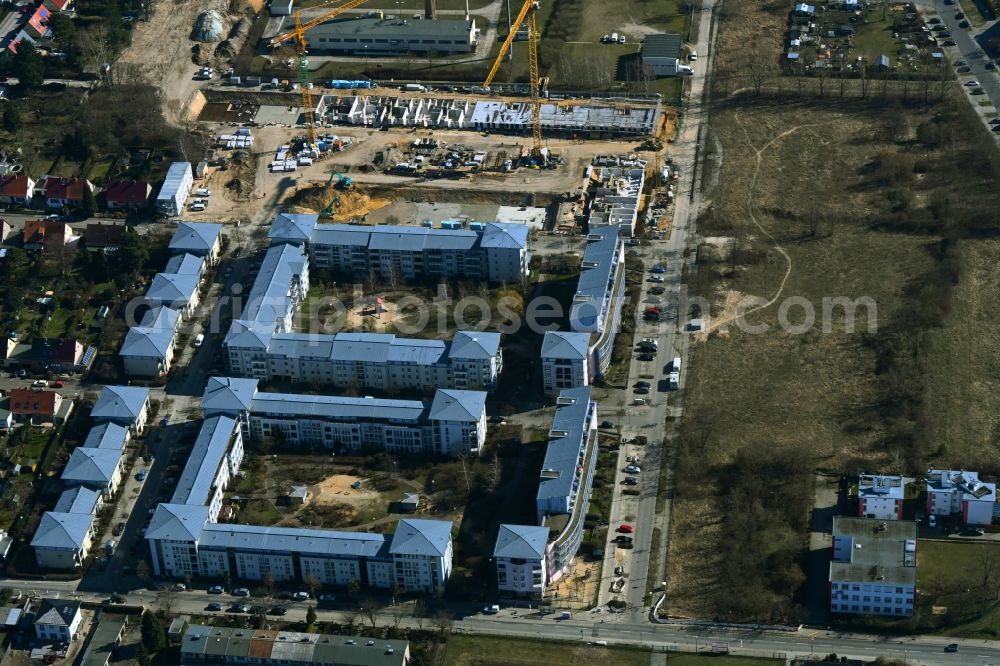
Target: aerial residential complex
185,539
596,311
874,566
526,558
378,36
959,492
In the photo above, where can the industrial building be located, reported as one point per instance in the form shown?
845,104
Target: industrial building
378,35
527,558
661,53
874,566
175,189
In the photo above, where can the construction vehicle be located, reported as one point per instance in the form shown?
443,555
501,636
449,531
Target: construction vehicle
528,11
343,183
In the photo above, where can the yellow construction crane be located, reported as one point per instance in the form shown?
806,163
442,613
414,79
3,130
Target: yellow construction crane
528,10
298,35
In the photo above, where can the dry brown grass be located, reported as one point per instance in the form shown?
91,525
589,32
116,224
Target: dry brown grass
767,395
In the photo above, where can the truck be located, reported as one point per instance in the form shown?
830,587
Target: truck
674,381
684,70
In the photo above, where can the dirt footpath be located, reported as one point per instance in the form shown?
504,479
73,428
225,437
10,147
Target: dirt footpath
337,489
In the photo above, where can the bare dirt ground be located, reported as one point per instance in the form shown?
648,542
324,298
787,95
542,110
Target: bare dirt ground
337,488
578,588
161,49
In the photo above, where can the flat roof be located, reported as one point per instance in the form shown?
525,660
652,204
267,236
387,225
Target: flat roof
597,276
881,551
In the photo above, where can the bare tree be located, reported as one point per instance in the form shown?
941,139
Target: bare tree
351,617
167,598
758,70
369,609
268,581
443,621
419,613
312,584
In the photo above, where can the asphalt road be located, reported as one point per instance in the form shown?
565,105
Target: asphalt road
966,49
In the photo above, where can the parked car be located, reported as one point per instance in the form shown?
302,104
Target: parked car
119,528
959,16
239,608
180,587
951,647
241,592
990,65
491,610
657,269
607,424
630,481
646,357
216,589
625,528
657,278
964,25
642,384
328,597
213,607
58,384
641,390
277,610
496,419
39,383
932,521
656,291
632,469
300,596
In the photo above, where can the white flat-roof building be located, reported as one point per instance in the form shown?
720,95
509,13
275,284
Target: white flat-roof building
874,566
881,496
960,492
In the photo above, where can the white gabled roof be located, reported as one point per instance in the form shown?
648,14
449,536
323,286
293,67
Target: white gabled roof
177,522
62,531
456,405
120,403
480,345
566,345
197,238
428,538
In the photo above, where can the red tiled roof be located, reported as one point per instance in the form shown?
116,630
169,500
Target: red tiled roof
31,401
34,231
14,186
58,5
39,19
70,189
126,192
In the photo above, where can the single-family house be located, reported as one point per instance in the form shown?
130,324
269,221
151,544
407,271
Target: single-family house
16,189
28,404
59,192
58,5
41,235
55,354
37,24
103,237
125,195
57,620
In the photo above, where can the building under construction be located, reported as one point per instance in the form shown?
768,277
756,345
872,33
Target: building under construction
582,121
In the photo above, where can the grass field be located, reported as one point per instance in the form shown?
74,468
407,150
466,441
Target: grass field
961,580
966,378
825,199
488,651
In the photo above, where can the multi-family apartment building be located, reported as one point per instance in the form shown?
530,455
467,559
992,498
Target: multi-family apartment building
452,424
214,460
874,566
519,558
378,361
881,496
960,492
565,361
594,318
526,558
498,252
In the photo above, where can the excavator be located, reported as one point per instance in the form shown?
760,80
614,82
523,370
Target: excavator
343,183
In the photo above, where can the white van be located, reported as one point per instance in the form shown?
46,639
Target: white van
693,56
200,338
675,365
674,380
638,402
196,207
203,192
